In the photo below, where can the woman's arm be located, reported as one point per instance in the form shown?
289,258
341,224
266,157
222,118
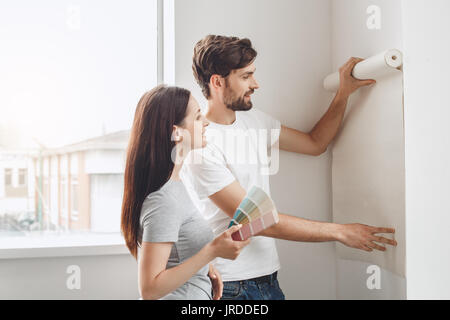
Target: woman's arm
155,281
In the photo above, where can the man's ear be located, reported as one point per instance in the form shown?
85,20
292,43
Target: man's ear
216,82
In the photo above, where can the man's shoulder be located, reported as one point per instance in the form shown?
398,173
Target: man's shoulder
211,153
256,117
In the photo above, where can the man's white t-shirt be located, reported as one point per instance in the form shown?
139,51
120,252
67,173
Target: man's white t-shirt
235,152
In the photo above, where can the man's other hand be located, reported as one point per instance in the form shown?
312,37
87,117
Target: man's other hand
364,237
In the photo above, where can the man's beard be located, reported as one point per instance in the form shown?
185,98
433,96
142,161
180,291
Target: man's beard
236,104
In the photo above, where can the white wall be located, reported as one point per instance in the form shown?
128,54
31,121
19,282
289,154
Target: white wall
293,42
427,132
351,37
101,277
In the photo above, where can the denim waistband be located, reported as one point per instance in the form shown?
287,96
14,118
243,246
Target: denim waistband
264,279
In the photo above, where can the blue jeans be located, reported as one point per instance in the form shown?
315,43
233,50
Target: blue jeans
262,288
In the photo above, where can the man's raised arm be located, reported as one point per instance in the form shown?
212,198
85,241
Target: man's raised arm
317,140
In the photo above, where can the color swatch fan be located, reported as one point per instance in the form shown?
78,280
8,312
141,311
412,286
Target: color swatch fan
256,213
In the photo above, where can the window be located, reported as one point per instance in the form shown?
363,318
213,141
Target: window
71,99
45,194
23,177
74,198
63,203
8,177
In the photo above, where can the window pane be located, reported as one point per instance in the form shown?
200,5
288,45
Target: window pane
22,177
71,76
74,196
8,177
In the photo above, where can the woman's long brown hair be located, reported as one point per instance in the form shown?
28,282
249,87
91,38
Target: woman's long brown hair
149,164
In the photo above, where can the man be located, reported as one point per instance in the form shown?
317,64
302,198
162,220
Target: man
224,69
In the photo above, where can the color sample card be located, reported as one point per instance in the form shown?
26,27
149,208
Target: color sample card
256,213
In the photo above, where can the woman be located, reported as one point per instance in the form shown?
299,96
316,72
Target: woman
162,228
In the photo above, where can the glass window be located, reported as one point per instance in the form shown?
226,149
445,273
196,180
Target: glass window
23,177
72,75
64,195
8,177
74,198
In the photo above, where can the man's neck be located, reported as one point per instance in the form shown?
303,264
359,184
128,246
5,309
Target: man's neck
219,113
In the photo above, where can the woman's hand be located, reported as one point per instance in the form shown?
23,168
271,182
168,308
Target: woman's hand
225,247
216,280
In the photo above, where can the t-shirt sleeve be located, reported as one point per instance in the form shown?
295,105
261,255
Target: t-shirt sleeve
272,125
206,172
160,220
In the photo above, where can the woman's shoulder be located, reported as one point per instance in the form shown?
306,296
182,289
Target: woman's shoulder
163,200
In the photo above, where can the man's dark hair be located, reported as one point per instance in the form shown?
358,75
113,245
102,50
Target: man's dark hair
220,55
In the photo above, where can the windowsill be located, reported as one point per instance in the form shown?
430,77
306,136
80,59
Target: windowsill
49,246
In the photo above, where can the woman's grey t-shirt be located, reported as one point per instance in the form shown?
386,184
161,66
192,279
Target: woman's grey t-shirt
168,215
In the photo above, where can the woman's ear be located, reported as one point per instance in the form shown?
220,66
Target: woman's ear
176,136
